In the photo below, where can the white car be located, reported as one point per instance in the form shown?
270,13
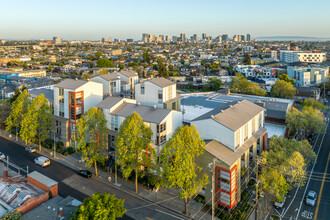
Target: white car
2,156
311,198
42,161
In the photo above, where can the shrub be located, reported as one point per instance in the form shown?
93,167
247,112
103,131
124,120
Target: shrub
245,196
13,215
59,144
71,150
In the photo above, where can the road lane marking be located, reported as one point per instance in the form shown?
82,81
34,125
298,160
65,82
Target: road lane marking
168,214
312,171
294,197
320,193
307,214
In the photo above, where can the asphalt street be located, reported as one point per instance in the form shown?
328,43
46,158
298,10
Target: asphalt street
318,180
71,184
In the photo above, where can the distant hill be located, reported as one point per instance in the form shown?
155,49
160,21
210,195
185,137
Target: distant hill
292,38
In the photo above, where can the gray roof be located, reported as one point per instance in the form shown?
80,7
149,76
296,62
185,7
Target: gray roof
109,77
109,102
162,82
71,84
277,109
233,115
128,73
147,113
42,179
48,93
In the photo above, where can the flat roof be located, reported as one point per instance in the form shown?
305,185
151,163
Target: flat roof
42,179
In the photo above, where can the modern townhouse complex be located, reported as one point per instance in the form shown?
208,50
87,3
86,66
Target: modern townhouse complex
158,92
300,56
162,122
306,76
128,80
259,71
72,98
234,134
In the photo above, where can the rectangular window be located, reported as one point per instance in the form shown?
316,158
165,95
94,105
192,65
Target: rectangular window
160,97
246,134
260,120
169,92
114,125
142,89
253,125
237,139
61,109
161,128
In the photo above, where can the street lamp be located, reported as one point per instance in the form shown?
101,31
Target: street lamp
114,153
54,154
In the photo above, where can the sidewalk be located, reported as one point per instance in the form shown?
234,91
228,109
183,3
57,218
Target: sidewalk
166,198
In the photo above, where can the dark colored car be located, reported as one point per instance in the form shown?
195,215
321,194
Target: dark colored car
85,173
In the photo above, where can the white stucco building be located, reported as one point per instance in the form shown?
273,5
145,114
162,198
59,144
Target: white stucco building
72,98
306,76
300,56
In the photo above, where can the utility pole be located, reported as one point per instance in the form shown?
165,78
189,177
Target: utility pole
213,190
257,188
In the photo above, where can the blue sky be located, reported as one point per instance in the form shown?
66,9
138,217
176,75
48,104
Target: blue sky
87,19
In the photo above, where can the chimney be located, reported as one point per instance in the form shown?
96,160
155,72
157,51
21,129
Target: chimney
155,107
6,173
138,104
212,116
60,212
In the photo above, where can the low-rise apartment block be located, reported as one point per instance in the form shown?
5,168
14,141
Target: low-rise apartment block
162,122
306,76
72,98
158,92
234,134
300,56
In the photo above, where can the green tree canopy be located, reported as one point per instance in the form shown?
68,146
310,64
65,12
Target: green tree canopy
284,164
13,215
283,89
241,85
315,104
247,59
286,78
305,122
163,72
214,83
146,56
90,135
133,146
178,166
18,109
98,54
37,121
102,62
100,207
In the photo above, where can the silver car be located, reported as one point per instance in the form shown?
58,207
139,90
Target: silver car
278,204
311,198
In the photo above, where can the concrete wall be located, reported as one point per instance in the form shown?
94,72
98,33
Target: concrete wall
150,96
106,85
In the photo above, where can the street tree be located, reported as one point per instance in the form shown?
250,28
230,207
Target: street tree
99,207
146,56
37,121
283,89
303,123
315,104
286,78
247,59
133,147
18,109
284,165
90,137
163,72
178,163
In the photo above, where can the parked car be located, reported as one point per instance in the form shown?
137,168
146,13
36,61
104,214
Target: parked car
2,156
85,173
278,204
31,149
42,161
311,198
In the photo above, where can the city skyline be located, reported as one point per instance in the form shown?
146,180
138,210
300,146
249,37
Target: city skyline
94,20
